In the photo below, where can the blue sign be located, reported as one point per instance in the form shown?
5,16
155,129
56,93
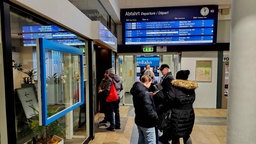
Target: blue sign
153,61
142,61
170,25
52,32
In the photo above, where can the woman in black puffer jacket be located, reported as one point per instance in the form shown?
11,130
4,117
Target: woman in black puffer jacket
181,96
145,113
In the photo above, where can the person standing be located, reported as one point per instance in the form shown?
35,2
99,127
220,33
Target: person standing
145,113
102,92
166,77
147,68
153,89
182,96
114,114
164,86
160,100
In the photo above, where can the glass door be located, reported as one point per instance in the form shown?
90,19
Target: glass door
132,65
128,74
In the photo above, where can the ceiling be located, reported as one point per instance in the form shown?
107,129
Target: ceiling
166,3
113,6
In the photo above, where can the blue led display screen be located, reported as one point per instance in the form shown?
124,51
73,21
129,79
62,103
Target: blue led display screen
169,32
36,29
170,25
52,32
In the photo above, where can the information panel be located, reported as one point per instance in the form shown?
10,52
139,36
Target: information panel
52,32
170,26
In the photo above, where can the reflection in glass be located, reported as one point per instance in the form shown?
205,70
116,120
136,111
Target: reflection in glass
62,80
27,56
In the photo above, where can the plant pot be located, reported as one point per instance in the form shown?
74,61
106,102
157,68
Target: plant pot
56,140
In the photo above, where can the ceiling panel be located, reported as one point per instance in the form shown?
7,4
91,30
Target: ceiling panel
166,3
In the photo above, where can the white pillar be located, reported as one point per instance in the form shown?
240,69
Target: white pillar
241,126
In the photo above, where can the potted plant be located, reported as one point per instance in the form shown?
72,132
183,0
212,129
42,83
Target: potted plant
47,134
29,72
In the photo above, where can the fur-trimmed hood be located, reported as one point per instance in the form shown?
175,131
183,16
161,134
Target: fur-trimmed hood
187,84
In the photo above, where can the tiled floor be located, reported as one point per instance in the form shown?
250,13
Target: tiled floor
209,128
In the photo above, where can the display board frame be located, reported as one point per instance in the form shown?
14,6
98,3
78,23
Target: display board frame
42,46
183,25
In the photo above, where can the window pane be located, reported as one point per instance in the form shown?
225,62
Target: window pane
62,80
24,30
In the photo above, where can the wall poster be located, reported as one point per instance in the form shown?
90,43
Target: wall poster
204,70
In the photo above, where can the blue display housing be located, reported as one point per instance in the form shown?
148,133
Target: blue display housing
74,81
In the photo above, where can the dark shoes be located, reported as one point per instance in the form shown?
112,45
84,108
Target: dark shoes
110,129
113,129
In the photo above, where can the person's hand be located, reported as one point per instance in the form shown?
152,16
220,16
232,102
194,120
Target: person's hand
100,91
155,92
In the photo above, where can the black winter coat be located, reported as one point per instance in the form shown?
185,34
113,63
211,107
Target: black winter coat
165,82
182,97
162,105
145,112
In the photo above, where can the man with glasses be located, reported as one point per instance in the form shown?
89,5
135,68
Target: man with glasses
161,100
166,78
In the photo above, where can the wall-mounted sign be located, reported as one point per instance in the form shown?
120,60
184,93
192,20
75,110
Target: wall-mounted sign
170,25
148,49
153,61
204,70
161,49
225,59
53,32
28,100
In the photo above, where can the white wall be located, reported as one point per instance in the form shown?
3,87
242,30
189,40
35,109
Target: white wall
113,8
223,31
129,73
206,93
62,12
164,3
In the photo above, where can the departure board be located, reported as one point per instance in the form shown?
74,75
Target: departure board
51,32
170,26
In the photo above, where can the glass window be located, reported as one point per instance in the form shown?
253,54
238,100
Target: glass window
61,80
25,29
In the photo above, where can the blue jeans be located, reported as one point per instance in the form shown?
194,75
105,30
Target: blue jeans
146,135
114,114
